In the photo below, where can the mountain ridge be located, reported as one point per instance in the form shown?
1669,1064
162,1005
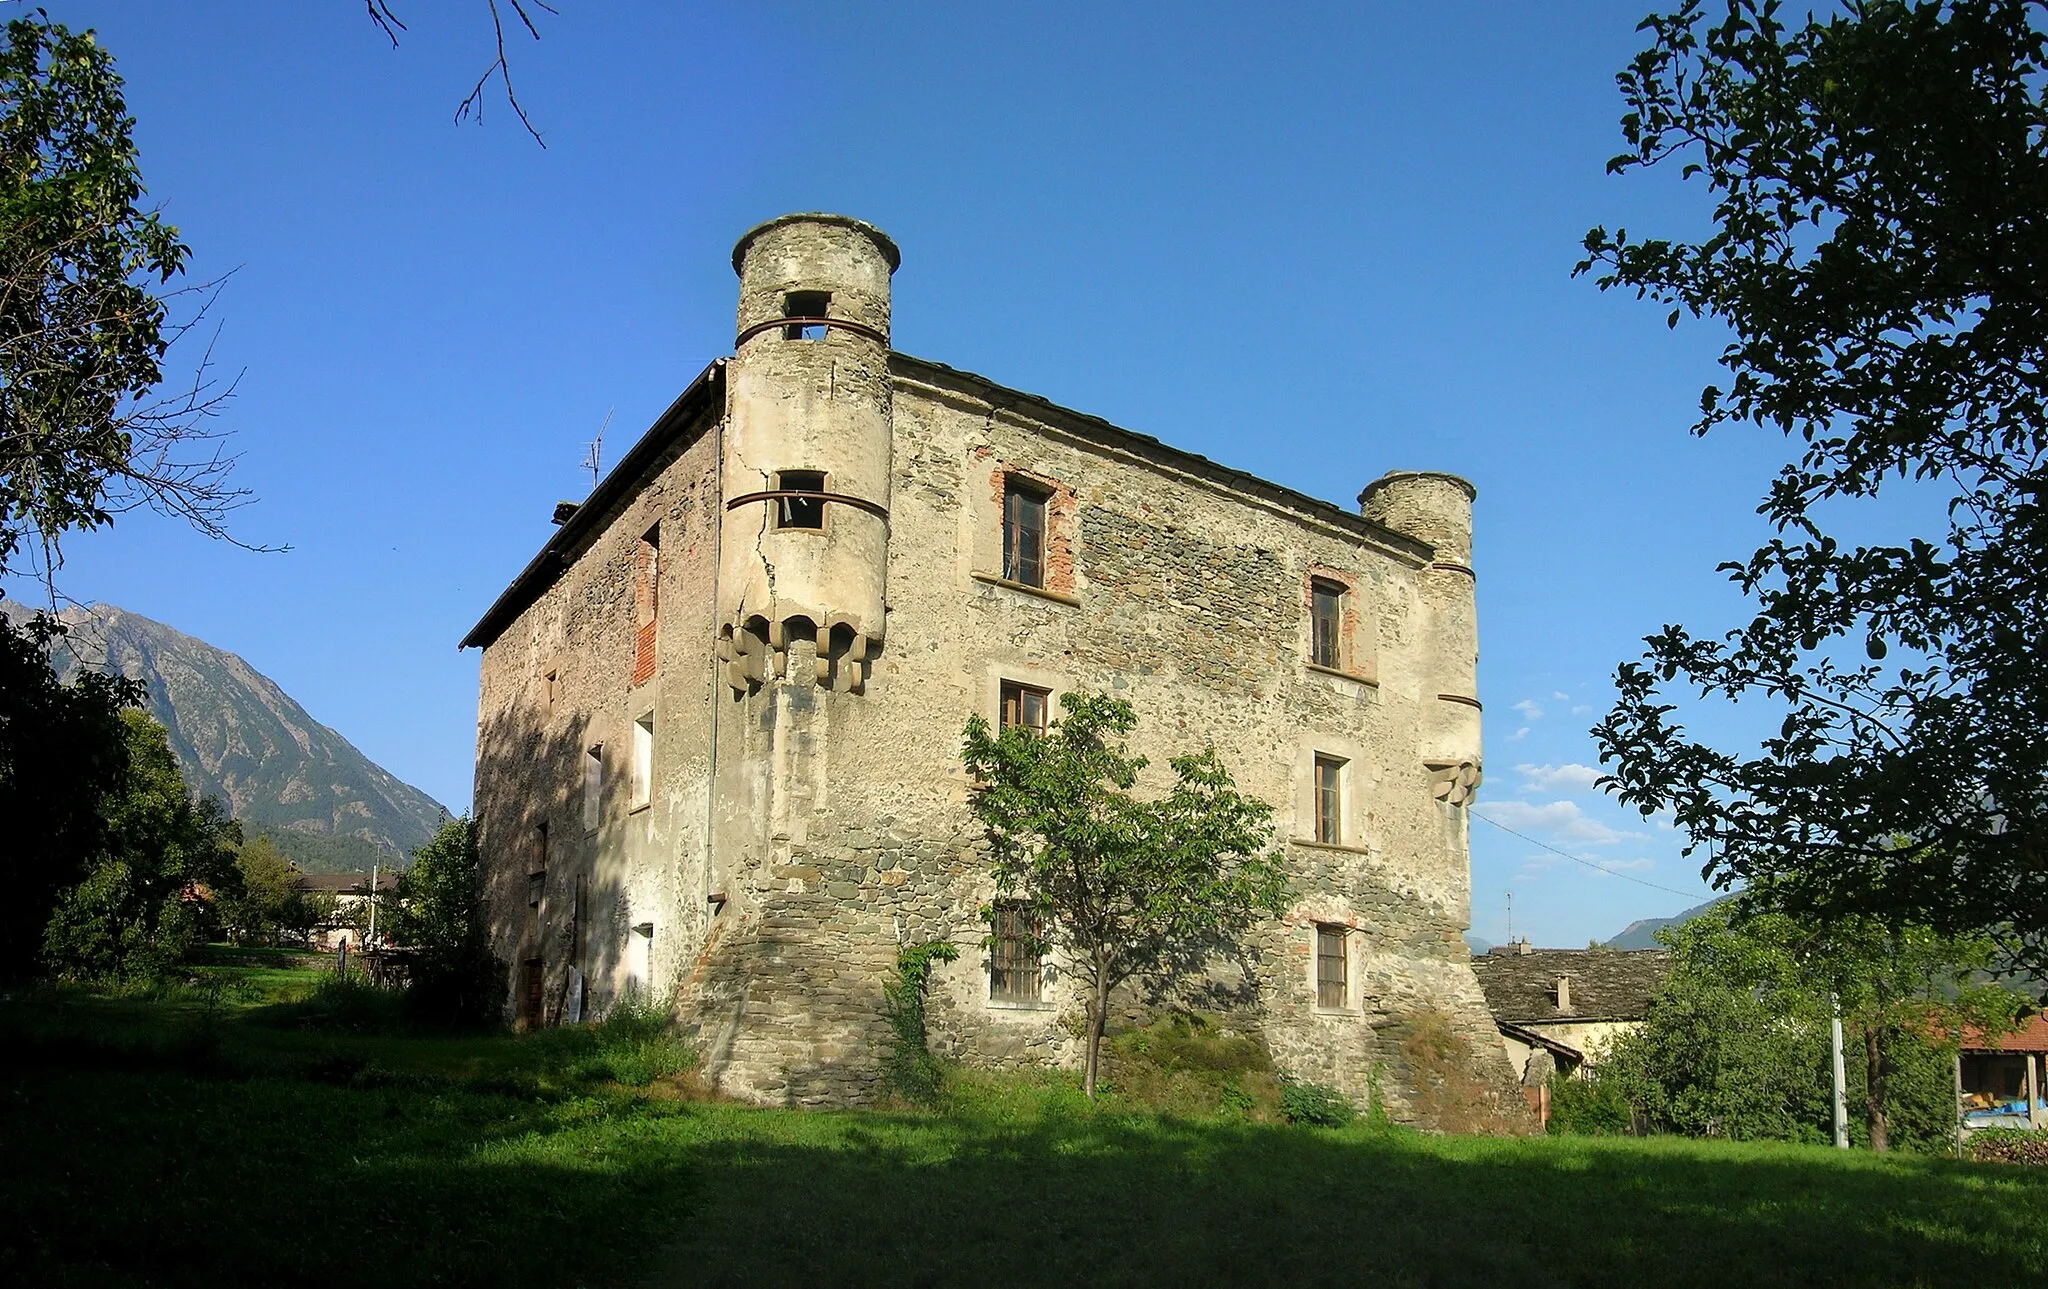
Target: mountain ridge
238,736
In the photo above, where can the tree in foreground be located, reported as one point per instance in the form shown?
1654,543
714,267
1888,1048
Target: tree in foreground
1121,888
1879,254
438,914
164,857
1736,1041
84,431
62,748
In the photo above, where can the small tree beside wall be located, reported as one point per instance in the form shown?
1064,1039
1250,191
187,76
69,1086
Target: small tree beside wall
1121,887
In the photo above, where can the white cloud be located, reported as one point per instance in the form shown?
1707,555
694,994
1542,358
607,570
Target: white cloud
1582,709
1529,709
1519,734
1571,777
1560,696
1556,820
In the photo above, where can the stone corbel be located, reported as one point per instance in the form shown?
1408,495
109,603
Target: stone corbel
1454,782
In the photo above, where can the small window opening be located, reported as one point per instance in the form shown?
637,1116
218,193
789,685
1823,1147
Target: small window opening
549,684
537,867
1329,800
805,304
1326,624
1015,971
1332,979
1024,707
593,785
800,512
643,761
1023,532
646,604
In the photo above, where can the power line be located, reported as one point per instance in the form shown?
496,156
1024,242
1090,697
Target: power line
1599,868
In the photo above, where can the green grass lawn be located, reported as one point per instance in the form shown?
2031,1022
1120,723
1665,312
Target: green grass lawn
184,1139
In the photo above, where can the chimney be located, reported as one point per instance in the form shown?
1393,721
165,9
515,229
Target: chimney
1564,994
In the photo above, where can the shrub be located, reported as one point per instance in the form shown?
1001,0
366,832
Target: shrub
344,1002
634,1045
1187,1063
1314,1104
1590,1107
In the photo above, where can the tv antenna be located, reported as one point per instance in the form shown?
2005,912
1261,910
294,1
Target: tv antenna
593,460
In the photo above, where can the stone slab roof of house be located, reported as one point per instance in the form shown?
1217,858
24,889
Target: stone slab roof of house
1606,984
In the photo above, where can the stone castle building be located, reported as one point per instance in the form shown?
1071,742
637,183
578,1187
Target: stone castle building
718,748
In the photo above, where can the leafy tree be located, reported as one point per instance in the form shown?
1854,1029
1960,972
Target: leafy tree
1736,1041
163,855
62,748
1879,254
1123,887
269,887
83,325
438,913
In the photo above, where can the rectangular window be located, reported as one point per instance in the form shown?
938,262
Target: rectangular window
1332,980
1014,971
1326,624
1329,800
643,761
1023,532
551,687
593,785
805,304
806,513
1024,707
537,866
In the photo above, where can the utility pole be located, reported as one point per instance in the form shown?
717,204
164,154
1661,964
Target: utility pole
1841,1077
373,943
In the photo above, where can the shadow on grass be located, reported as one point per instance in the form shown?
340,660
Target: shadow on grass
480,1161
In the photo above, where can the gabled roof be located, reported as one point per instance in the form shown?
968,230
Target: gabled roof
1606,984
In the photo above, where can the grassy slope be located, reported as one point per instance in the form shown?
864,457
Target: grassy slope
138,1151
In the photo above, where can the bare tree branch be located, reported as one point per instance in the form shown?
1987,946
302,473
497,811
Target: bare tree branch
500,66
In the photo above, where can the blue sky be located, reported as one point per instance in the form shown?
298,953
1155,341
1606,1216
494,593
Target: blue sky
1316,244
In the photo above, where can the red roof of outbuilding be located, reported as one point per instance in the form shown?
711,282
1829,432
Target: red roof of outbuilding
2031,1036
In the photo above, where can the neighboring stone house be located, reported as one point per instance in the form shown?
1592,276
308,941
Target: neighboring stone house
718,751
1563,1008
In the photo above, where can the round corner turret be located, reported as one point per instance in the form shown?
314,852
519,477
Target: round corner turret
1428,505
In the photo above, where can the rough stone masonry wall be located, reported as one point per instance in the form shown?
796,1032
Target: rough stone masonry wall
843,828
637,866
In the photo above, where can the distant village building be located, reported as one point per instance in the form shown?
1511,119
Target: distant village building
720,711
351,893
1561,1009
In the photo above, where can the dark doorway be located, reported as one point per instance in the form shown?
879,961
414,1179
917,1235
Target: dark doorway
530,994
